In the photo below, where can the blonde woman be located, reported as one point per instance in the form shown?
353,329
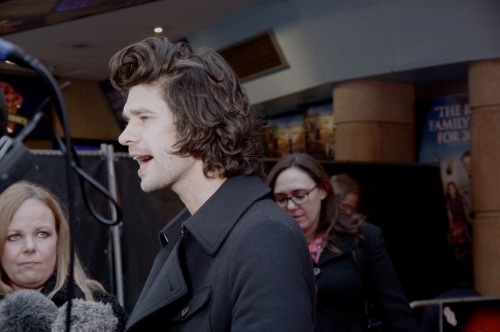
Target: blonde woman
35,249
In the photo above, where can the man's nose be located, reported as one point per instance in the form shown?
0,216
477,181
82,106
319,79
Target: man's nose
127,137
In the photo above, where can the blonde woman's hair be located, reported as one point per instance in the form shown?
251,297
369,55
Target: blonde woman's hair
10,201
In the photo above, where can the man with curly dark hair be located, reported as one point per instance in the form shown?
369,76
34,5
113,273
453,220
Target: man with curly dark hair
232,260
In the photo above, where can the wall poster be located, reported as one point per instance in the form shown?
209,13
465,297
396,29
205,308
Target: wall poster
320,131
23,97
284,135
446,140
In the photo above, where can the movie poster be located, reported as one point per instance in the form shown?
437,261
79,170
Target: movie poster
319,128
446,140
284,135
24,96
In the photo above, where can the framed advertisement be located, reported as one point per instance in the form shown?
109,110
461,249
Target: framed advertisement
320,130
284,135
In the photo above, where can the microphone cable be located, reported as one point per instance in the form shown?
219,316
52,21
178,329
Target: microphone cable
84,177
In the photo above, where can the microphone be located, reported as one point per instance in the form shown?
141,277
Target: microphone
86,316
14,53
27,311
31,311
6,48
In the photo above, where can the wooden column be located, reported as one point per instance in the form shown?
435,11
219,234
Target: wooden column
374,122
484,101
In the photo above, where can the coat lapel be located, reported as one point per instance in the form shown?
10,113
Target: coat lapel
344,243
210,225
165,283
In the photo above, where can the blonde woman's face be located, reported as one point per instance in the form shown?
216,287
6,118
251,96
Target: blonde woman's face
294,180
30,251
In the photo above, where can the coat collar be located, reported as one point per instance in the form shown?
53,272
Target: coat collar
211,224
345,243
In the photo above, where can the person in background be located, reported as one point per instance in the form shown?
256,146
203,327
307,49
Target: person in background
301,186
232,260
459,224
347,191
35,250
466,162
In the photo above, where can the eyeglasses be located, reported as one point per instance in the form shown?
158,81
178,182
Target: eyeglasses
299,198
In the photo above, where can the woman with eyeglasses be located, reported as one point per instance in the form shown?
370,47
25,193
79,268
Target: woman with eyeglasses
302,187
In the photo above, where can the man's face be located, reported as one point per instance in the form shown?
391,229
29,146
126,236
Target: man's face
149,135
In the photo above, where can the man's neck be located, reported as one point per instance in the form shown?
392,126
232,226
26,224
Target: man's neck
196,189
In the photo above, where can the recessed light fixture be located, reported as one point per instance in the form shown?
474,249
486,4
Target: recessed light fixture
158,29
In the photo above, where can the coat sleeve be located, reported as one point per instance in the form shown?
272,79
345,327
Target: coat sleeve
384,284
273,279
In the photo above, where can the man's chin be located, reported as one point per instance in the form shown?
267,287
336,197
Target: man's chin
146,187
152,187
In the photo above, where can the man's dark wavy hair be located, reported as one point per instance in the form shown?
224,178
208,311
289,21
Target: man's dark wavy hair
211,111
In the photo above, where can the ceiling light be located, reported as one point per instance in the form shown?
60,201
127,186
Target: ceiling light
158,29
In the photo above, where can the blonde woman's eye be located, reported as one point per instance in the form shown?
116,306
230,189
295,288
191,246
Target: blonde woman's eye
13,237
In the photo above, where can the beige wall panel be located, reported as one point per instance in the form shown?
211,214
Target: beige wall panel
484,83
89,114
358,141
398,143
485,131
39,144
487,254
373,101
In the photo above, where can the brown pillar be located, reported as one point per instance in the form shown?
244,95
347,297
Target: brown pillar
484,101
374,121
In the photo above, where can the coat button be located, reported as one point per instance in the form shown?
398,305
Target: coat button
185,311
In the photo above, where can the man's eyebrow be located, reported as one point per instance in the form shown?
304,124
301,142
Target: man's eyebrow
136,112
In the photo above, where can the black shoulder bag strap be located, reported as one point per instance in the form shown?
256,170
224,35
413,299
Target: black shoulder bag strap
373,322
